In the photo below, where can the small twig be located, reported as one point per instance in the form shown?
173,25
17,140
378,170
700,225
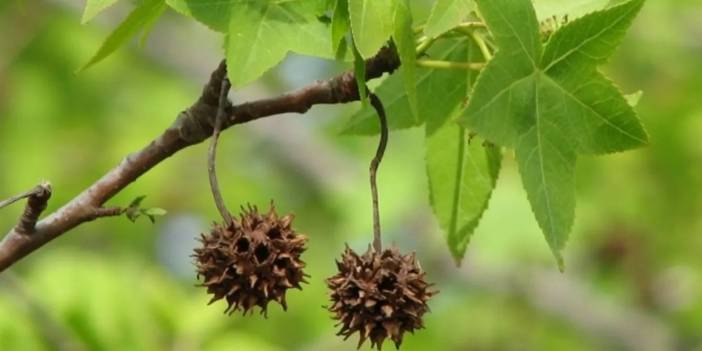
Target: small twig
378,105
37,199
101,212
7,202
212,153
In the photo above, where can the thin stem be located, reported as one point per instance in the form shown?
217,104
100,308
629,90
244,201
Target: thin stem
378,105
482,45
466,25
212,152
424,44
476,66
470,25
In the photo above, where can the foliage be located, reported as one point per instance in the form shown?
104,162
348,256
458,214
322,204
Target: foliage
546,100
114,285
551,103
134,210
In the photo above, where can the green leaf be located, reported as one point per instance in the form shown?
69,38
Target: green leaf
371,24
259,34
462,174
439,94
140,17
404,40
94,7
633,98
134,211
137,201
262,33
154,211
546,9
359,71
146,30
340,23
446,14
550,103
214,14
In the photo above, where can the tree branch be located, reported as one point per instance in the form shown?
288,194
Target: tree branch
192,126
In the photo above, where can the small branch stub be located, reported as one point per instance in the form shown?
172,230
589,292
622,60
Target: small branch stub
37,200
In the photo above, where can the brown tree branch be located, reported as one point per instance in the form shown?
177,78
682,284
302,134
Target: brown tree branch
192,126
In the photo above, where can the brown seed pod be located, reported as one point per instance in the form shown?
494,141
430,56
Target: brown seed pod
251,261
379,295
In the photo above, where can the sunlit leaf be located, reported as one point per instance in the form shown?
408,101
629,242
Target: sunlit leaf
141,16
550,103
371,24
340,23
94,7
445,15
571,9
404,40
462,173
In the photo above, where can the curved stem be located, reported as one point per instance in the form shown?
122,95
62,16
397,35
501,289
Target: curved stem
424,44
212,152
482,45
378,105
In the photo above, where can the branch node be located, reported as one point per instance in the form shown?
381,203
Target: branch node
36,204
100,212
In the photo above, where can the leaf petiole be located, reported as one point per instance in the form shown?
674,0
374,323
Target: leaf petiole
478,39
476,66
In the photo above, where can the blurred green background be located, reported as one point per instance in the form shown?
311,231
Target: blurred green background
633,278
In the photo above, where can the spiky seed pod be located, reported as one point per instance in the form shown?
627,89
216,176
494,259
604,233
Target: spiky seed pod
379,295
251,261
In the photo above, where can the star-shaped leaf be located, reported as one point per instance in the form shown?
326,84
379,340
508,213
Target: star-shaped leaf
550,103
